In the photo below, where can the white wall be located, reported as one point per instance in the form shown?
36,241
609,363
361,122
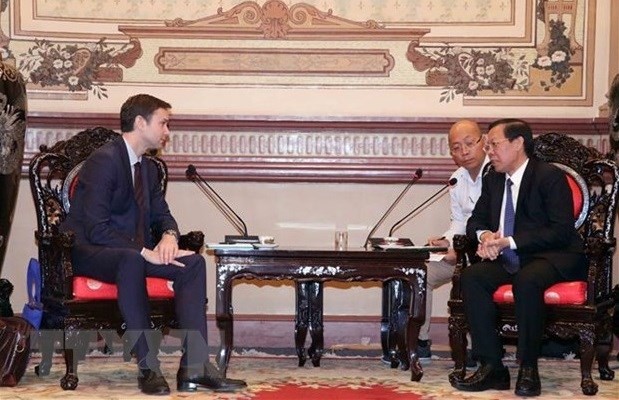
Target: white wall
296,214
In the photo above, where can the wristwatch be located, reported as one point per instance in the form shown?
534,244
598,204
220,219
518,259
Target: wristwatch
172,232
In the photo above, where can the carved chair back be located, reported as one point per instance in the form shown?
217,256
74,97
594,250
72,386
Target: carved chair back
594,181
53,177
53,174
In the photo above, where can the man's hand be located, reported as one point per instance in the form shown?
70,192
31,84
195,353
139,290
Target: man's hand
450,256
438,241
491,245
167,248
153,257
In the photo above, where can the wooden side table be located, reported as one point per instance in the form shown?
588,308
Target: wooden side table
312,267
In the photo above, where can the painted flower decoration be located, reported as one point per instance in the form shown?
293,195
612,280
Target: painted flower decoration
557,58
73,66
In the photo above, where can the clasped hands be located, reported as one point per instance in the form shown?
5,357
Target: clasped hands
491,245
166,252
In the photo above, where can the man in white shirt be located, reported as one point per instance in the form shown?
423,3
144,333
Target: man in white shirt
466,146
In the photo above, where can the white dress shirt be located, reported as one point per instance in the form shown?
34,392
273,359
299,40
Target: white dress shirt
463,196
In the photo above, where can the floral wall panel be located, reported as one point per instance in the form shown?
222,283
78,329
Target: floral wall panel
516,52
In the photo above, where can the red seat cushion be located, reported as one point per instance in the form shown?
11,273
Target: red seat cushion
85,288
561,293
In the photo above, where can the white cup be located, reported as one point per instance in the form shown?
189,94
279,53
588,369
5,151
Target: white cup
341,240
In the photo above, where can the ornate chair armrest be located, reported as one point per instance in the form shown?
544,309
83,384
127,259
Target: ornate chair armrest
56,265
465,251
193,240
598,251
600,247
64,242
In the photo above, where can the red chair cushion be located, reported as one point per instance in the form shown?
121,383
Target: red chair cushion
85,288
560,293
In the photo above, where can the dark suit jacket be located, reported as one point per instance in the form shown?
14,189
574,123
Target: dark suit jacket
544,224
103,208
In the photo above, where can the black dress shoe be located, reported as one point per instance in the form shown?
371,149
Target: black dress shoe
189,379
486,377
528,383
152,382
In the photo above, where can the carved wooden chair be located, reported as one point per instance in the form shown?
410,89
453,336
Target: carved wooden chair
75,306
575,309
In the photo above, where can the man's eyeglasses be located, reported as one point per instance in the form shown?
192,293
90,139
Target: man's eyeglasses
492,145
460,147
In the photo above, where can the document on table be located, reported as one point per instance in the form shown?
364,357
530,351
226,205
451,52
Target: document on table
436,257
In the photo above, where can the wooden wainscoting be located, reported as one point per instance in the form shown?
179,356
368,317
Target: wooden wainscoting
282,149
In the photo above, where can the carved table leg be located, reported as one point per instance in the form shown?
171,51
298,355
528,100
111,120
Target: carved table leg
301,320
416,316
224,318
315,322
400,318
387,327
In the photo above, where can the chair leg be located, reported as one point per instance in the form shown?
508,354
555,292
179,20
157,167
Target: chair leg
457,342
70,380
587,352
46,339
603,348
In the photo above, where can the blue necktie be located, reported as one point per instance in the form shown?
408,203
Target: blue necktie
511,262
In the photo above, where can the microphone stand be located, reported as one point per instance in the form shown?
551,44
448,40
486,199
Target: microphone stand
451,182
416,177
193,175
204,188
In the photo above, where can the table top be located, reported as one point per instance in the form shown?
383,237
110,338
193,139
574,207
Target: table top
316,252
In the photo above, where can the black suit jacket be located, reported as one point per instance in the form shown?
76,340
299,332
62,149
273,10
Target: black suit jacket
103,208
544,224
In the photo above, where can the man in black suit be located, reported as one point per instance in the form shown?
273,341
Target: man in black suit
524,224
117,203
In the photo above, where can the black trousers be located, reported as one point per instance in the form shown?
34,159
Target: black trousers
480,281
128,270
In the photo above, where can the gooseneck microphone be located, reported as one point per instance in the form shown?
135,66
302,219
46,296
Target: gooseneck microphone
193,175
450,183
416,177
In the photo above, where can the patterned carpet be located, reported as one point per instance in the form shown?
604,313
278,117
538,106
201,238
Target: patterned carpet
278,378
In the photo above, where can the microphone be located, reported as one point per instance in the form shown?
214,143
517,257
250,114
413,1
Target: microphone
192,174
450,183
369,239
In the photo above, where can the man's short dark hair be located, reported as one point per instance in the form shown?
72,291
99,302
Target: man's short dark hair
143,105
513,128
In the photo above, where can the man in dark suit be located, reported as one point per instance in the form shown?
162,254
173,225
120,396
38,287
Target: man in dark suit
118,201
524,224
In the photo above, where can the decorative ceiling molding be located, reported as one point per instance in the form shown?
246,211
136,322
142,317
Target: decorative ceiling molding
274,20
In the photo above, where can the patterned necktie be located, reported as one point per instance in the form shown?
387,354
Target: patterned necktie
139,198
511,262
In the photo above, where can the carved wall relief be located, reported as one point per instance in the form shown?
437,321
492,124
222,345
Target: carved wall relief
275,21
